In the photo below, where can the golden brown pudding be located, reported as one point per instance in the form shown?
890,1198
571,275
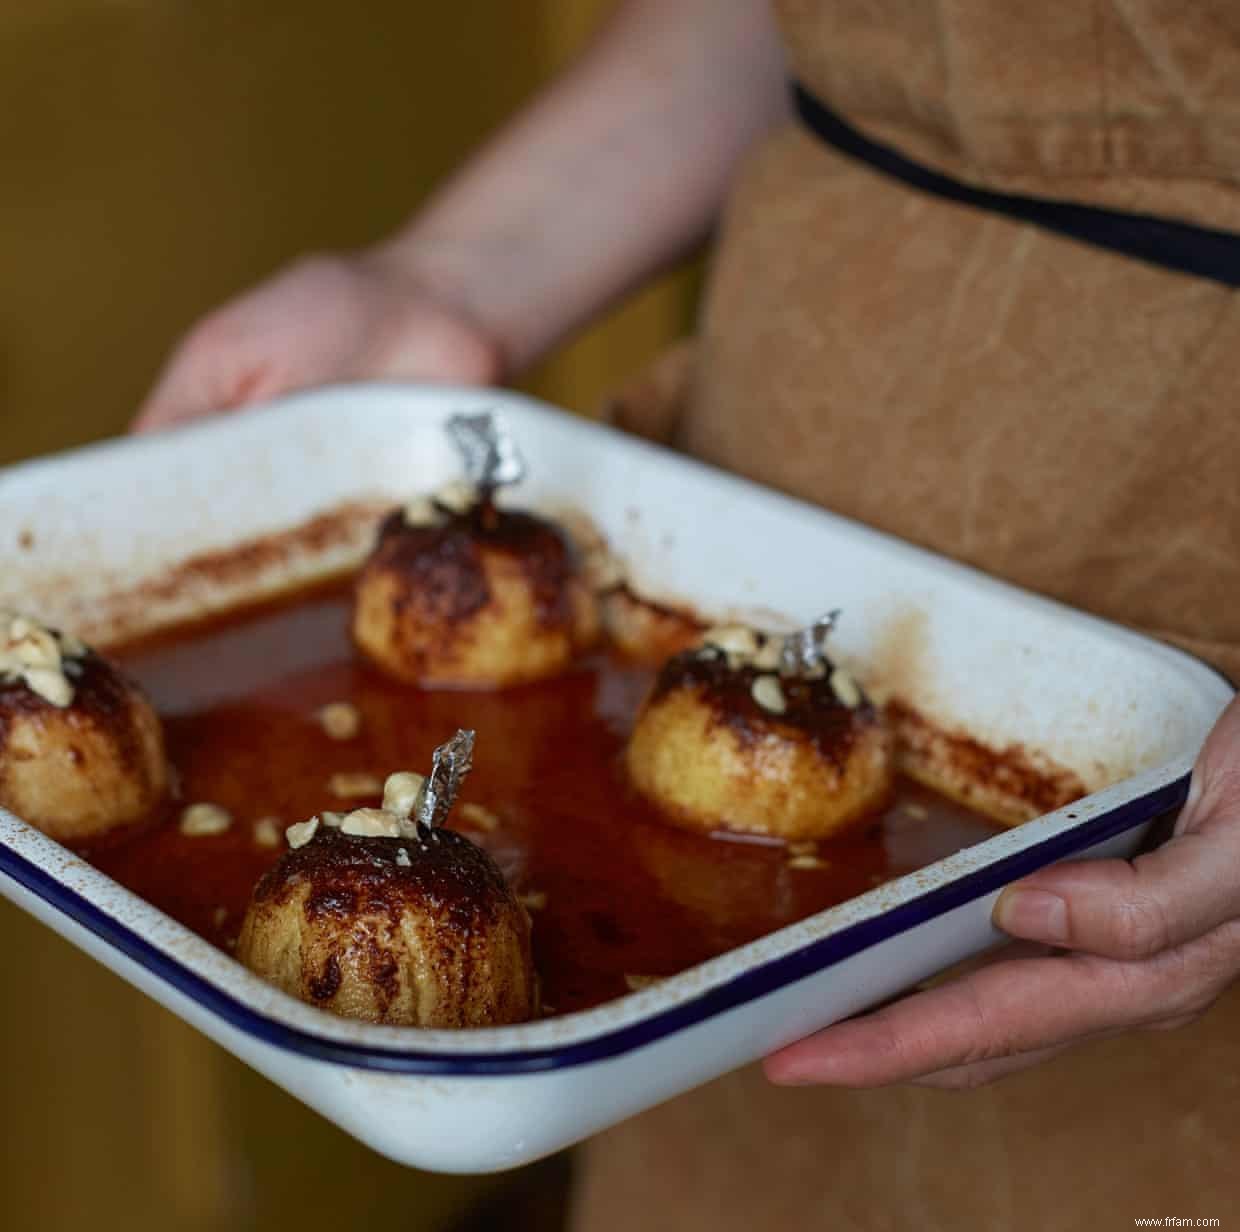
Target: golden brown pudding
461,593
760,734
384,915
484,598
81,749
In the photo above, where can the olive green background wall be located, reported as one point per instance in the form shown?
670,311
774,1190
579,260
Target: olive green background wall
156,156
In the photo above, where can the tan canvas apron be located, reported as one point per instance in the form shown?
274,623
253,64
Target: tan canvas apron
1061,416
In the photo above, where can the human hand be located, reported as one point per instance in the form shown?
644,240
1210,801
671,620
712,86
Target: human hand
324,319
1151,943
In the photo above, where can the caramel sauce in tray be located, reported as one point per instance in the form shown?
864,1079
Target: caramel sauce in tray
614,893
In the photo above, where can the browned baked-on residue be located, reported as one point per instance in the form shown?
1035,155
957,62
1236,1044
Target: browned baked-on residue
233,570
811,707
647,631
1011,784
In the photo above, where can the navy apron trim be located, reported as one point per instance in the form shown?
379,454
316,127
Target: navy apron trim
1184,247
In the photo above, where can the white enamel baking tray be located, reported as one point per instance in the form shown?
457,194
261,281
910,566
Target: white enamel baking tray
81,534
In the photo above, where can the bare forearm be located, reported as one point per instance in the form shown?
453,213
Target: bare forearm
618,169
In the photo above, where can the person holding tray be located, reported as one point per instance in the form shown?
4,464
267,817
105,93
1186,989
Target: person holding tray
974,286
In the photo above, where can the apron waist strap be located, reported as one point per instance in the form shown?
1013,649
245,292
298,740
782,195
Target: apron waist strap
1185,247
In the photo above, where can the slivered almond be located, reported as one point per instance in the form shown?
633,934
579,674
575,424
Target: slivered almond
400,792
421,512
300,834
371,823
769,694
340,720
202,820
51,684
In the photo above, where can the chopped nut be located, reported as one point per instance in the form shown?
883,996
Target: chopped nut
340,720
300,834
457,497
918,812
845,688
402,858
421,512
803,847
203,820
353,784
267,832
807,862
218,916
371,823
33,655
51,684
533,900
400,792
638,982
37,648
769,694
736,641
478,817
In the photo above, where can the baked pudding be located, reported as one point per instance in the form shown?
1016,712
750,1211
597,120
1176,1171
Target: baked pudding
761,734
459,592
81,749
383,914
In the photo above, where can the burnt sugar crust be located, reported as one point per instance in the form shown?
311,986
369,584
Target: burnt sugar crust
482,597
393,931
722,745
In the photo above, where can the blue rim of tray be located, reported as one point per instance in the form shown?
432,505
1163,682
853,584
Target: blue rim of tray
749,986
